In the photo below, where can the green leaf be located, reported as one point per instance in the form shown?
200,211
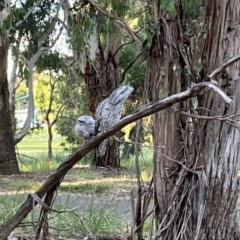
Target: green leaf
14,51
70,21
3,27
115,5
26,74
149,38
169,6
163,93
164,3
171,9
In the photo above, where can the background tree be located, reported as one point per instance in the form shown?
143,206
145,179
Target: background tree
100,59
31,28
36,35
8,160
48,99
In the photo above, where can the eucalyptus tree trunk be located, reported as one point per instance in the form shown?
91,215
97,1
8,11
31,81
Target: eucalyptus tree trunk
101,77
196,160
8,160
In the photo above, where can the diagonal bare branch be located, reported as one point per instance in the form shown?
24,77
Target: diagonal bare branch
225,64
54,180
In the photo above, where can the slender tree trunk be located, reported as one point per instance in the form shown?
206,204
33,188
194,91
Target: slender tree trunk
49,128
196,162
8,160
50,136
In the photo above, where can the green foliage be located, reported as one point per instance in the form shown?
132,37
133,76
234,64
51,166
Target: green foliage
50,61
163,93
34,26
102,220
194,9
169,6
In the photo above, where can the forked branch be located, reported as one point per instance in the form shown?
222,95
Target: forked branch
54,180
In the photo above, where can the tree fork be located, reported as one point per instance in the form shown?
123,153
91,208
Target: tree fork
52,182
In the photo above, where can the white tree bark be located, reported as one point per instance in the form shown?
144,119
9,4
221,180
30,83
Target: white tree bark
30,63
12,82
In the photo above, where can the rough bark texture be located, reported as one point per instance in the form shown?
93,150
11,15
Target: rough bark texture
219,142
100,87
8,160
196,197
53,181
101,77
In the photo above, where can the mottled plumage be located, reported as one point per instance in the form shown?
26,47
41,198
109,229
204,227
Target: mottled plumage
85,127
108,112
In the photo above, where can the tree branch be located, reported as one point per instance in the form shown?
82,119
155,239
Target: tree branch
55,179
29,12
130,65
52,26
225,64
30,66
118,20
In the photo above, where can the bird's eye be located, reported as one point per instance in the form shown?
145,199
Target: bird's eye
80,121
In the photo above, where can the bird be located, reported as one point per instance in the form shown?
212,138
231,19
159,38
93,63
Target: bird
108,112
85,127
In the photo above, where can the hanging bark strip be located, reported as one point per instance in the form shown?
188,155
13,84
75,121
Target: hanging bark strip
53,181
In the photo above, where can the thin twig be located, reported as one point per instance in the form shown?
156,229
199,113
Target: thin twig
118,20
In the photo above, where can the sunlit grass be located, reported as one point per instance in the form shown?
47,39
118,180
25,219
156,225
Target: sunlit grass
99,186
37,141
82,179
38,162
101,220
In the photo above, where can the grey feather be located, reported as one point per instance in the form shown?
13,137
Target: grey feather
108,112
85,127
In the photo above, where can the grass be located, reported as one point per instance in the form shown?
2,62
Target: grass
95,221
37,142
82,179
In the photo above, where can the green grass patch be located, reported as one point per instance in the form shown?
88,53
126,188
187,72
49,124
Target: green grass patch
99,186
145,161
38,162
86,188
9,204
103,220
37,141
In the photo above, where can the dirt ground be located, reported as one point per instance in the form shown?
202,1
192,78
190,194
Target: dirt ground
116,204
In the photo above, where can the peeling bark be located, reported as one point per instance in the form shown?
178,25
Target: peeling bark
52,182
101,76
100,86
195,173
